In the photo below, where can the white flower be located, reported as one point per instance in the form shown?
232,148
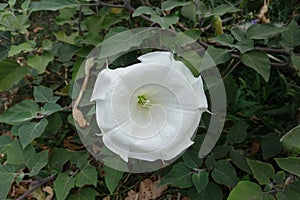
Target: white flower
149,110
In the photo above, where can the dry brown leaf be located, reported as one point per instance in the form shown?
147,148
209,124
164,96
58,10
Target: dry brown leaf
132,195
50,192
106,198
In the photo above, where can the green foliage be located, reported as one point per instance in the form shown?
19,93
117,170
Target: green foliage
43,43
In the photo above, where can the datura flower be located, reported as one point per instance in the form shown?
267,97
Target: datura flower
149,110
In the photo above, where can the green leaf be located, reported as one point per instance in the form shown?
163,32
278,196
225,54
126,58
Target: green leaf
224,39
50,108
70,39
37,162
224,173
239,159
191,159
21,23
248,191
165,21
31,130
86,176
170,4
238,34
62,186
296,63
7,174
290,38
143,10
271,145
291,140
237,133
262,172
189,11
221,151
112,178
84,194
221,10
16,155
290,164
200,180
179,176
42,94
214,56
258,61
58,158
40,62
244,45
212,192
4,143
52,5
10,74
263,31
24,47
21,112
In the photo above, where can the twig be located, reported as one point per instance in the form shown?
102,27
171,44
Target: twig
269,50
38,184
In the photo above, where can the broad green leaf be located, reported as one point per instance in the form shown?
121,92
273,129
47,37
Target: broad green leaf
63,51
165,21
212,192
271,145
42,94
290,38
50,108
31,130
37,162
170,4
58,158
40,62
221,151
7,174
179,176
112,178
239,159
191,159
200,180
237,133
21,112
3,53
224,173
3,5
296,63
52,5
86,176
189,11
224,39
221,10
16,155
4,142
238,34
24,48
262,172
263,31
10,74
214,56
258,61
245,45
22,23
248,191
62,186
291,140
70,39
287,195
143,10
84,194
290,164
